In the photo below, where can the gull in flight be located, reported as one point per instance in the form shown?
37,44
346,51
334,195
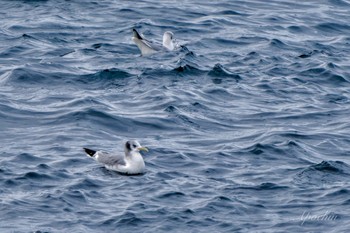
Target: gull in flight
147,47
129,163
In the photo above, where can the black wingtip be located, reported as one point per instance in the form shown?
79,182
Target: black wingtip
89,152
136,34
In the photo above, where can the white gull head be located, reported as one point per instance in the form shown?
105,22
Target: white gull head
168,40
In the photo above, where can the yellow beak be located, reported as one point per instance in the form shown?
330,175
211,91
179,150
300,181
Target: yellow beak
143,149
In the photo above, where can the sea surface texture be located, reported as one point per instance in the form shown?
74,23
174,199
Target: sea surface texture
247,123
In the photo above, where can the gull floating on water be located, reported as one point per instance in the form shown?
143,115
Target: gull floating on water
147,47
130,163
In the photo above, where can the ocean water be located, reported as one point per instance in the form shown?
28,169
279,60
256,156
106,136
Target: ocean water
247,124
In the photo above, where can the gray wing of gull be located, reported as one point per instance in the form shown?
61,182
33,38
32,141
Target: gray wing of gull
146,42
110,158
152,45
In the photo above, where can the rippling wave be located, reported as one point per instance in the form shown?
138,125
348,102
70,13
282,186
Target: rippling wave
247,122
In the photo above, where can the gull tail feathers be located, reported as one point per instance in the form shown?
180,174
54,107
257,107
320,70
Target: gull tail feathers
90,152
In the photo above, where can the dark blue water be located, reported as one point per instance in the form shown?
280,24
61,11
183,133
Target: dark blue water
247,124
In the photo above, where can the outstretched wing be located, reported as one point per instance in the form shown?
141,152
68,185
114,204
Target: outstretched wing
145,44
